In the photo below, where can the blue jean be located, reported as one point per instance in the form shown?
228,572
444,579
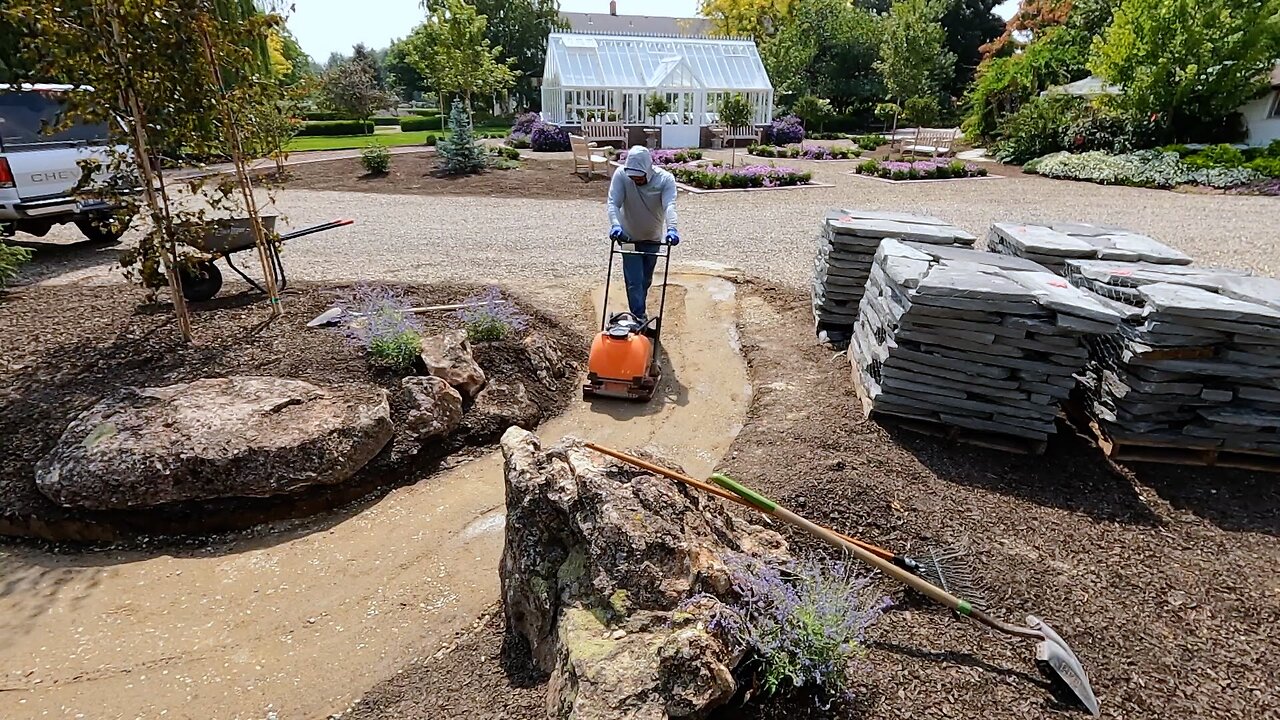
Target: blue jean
637,270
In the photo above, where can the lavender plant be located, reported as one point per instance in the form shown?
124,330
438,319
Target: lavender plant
803,623
380,322
490,318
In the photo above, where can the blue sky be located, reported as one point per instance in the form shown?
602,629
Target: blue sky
323,26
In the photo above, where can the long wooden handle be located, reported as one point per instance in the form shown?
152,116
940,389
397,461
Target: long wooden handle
720,493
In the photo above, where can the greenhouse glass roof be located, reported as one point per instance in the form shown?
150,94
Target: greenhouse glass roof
637,61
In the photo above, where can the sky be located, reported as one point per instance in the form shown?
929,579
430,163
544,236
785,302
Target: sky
326,26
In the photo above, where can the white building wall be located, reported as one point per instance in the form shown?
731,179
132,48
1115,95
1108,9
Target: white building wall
1262,129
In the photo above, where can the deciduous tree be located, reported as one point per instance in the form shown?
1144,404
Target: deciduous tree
914,61
452,50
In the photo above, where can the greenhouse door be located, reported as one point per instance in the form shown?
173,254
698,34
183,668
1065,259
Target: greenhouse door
681,129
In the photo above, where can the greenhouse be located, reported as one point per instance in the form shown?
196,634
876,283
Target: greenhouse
608,78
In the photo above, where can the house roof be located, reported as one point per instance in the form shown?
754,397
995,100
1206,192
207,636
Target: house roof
618,61
640,24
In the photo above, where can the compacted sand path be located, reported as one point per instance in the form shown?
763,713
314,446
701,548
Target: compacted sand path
298,622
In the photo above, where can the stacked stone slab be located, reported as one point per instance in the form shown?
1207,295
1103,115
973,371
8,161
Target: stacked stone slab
969,339
846,245
1055,245
1197,367
1120,280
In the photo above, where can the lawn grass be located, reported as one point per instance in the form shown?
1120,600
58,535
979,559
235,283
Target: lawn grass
393,138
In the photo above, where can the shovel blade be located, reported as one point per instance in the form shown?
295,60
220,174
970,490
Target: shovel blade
1055,657
328,317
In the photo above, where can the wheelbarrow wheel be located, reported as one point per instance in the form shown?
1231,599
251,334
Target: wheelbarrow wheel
200,281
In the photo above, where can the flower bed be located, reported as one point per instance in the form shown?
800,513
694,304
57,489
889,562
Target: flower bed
1144,168
663,158
920,169
719,177
805,152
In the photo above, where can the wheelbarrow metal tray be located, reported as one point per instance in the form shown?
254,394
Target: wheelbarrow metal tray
224,236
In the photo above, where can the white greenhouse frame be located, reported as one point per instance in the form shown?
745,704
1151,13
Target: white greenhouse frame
608,77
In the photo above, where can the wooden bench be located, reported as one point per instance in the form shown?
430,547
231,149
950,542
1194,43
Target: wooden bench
605,132
588,158
934,143
727,134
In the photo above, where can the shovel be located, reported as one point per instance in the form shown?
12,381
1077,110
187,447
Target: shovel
337,314
1053,656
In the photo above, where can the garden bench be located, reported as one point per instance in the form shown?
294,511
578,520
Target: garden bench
933,143
723,133
587,156
610,132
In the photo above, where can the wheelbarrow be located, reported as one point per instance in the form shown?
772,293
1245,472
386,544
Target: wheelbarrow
223,238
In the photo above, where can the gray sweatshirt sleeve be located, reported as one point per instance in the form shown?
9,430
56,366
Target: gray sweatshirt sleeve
669,199
617,192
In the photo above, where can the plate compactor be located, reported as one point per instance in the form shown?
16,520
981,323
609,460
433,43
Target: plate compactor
624,361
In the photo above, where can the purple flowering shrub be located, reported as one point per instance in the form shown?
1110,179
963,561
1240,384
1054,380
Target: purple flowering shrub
1259,187
525,123
785,131
718,177
380,322
920,169
491,318
546,137
805,152
804,624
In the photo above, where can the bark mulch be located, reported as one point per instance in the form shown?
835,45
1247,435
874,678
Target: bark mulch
417,174
1162,578
66,347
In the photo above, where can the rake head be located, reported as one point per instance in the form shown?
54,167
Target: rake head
949,568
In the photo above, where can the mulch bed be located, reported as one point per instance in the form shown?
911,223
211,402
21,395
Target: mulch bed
1161,578
66,347
417,174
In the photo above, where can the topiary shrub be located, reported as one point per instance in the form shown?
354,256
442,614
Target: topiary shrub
329,128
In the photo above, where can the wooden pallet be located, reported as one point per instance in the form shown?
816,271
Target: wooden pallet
1157,452
935,428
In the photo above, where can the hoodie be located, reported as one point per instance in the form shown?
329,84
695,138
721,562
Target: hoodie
645,212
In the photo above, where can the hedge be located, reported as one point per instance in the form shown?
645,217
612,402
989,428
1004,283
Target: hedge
386,121
415,122
336,127
425,112
322,115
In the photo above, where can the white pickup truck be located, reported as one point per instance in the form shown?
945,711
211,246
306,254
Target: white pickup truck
39,171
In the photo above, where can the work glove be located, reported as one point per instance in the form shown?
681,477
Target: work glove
615,233
673,237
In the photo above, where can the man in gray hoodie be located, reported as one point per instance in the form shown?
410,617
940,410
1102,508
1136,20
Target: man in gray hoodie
642,209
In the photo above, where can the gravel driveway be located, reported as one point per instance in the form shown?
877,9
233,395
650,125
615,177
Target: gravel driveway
769,234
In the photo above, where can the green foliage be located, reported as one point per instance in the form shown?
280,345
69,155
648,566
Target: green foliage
812,110
887,111
351,89
11,258
312,115
1215,156
871,142
1035,129
396,352
656,105
376,159
923,111
386,121
735,111
970,24
1003,84
459,153
452,51
913,60
1188,63
826,48
1269,166
1144,168
411,123
336,127
431,140
505,151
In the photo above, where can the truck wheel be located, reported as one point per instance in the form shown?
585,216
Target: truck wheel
200,281
99,229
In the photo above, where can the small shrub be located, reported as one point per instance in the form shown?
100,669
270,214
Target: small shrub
491,319
518,140
1035,129
871,142
11,258
379,321
920,169
804,624
785,131
413,123
459,153
431,140
1181,150
376,159
549,138
501,163
1269,166
386,121
330,128
505,151
667,157
717,177
1215,156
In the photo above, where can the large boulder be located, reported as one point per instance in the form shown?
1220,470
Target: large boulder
214,438
499,406
613,576
448,357
433,408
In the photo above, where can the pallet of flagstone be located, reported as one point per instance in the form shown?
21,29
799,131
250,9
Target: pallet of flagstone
1173,452
932,427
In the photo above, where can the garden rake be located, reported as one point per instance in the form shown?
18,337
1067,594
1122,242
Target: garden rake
1053,656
